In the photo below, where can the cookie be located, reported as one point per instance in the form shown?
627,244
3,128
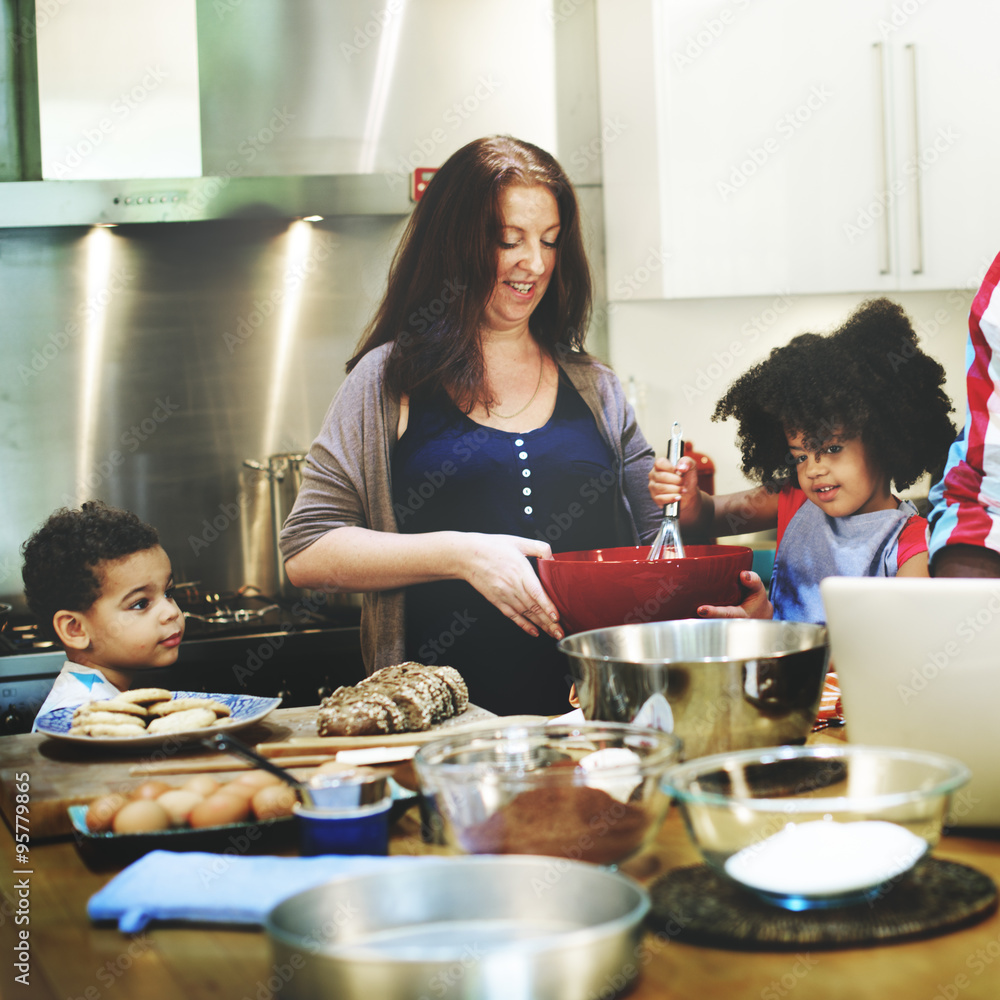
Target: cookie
183,720
113,705
100,729
184,704
96,718
145,696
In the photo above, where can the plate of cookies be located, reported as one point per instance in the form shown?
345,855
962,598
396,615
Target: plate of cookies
145,717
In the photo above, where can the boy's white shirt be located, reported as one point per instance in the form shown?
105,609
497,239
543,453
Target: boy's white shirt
76,685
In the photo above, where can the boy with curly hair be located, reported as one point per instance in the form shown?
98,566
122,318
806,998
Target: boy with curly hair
827,425
100,584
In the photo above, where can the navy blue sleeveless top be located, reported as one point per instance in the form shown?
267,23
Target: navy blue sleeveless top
556,483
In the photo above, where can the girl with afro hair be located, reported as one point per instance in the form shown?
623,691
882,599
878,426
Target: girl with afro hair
827,425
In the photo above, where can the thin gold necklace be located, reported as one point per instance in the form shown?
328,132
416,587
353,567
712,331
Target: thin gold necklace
538,385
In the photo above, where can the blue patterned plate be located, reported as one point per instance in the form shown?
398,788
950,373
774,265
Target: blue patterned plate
246,709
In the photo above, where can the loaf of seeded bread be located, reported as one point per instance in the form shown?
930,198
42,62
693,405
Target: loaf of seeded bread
404,698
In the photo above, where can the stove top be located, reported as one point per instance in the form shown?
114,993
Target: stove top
210,615
232,644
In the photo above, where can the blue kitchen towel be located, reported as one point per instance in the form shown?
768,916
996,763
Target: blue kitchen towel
219,888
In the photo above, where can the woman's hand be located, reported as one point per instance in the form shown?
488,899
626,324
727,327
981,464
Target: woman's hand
672,484
497,566
754,605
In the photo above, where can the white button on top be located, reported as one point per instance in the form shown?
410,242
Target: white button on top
518,442
522,454
527,510
526,491
526,473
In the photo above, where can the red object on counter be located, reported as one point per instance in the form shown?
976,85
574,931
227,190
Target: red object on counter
599,588
704,466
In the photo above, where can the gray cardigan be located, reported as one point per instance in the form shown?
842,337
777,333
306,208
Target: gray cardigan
347,478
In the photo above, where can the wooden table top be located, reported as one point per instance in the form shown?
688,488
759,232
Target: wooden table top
72,958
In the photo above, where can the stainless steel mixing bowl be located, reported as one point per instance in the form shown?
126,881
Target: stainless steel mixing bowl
457,928
728,684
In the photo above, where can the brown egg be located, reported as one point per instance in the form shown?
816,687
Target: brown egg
150,790
201,784
179,802
141,816
102,811
238,788
220,809
274,801
257,779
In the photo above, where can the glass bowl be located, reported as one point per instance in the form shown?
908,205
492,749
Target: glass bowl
811,827
588,792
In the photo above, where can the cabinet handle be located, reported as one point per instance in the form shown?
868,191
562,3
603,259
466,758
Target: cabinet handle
879,48
918,221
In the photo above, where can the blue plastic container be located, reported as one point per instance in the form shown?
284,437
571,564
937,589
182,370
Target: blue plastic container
357,830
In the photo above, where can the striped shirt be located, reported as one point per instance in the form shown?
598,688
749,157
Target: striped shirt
966,501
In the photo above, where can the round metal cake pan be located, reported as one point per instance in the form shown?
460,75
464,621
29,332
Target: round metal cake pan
484,927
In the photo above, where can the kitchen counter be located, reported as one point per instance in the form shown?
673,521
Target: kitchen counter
72,958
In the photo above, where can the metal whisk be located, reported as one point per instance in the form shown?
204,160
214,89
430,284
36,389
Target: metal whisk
668,544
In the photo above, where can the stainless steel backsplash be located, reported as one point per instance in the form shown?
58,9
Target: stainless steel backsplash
143,365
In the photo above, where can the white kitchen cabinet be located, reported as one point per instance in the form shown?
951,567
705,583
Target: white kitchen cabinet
792,147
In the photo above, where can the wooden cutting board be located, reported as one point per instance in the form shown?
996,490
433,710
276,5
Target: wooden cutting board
61,773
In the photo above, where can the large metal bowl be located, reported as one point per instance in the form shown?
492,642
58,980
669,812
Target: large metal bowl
727,684
490,928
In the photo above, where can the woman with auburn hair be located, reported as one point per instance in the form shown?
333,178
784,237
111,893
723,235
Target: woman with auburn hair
474,434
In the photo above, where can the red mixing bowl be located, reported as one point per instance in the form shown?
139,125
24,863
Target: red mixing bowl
598,588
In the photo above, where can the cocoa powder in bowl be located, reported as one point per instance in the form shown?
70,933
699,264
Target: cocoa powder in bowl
573,821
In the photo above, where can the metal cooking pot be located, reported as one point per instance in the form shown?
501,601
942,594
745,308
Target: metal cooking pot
270,490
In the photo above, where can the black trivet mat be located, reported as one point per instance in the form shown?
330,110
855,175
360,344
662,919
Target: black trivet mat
697,906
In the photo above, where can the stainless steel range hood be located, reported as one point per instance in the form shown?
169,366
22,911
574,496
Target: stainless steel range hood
272,109
193,199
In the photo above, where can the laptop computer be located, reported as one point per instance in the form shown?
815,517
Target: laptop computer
918,662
